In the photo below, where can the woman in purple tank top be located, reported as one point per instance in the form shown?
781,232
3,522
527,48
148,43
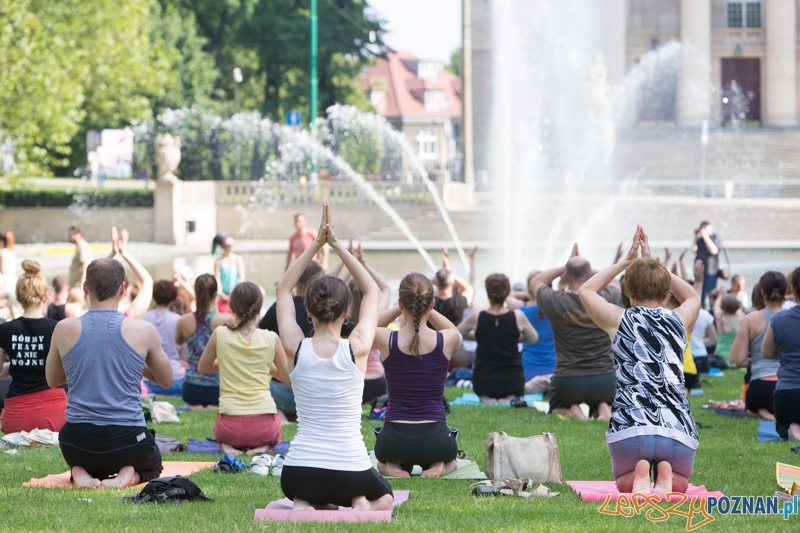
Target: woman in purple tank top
416,360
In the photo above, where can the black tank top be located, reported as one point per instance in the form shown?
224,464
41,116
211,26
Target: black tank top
498,363
56,312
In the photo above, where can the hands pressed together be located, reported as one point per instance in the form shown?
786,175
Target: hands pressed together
326,234
640,244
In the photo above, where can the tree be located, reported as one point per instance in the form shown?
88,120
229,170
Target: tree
455,62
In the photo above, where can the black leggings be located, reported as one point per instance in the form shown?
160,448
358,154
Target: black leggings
320,486
415,444
785,410
103,450
759,395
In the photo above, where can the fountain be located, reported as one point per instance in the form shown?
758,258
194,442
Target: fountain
268,152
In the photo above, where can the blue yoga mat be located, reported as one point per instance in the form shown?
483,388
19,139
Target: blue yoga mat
211,446
767,431
470,398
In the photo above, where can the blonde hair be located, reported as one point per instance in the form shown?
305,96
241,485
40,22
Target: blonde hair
31,286
647,279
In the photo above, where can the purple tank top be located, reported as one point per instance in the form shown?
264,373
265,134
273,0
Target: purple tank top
415,386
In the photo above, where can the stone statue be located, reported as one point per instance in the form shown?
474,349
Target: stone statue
168,156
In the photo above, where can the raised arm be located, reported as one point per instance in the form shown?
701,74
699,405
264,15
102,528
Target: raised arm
282,366
386,292
53,368
467,290
291,334
468,324
606,315
690,301
141,303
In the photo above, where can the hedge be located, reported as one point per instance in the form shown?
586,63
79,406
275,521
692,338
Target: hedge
66,197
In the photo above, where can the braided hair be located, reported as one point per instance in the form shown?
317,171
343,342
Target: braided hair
245,302
416,295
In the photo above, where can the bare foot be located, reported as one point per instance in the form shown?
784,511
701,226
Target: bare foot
679,483
751,414
434,470
195,407
127,477
664,479
794,431
568,413
258,450
384,502
450,467
603,411
227,448
82,478
486,399
300,505
211,407
360,503
641,478
392,470
577,412
766,415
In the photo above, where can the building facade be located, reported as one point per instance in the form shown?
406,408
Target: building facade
423,101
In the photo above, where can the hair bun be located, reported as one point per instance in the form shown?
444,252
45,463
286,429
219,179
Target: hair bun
31,268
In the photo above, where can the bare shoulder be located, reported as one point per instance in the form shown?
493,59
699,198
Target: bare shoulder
67,332
222,319
139,334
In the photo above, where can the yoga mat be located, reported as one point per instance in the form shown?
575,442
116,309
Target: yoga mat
466,469
767,431
281,510
211,446
597,491
171,468
470,398
545,407
728,413
786,475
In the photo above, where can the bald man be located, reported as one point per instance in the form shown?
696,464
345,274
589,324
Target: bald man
584,370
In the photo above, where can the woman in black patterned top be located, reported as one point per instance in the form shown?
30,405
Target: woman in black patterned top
651,424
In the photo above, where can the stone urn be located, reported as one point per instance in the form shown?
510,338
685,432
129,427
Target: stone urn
168,156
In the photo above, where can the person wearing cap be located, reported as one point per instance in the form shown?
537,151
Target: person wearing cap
707,246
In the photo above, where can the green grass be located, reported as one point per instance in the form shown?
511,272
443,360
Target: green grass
729,459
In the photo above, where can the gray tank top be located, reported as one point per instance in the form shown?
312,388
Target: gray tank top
760,367
104,374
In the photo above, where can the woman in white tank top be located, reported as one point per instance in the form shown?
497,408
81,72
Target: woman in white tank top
327,464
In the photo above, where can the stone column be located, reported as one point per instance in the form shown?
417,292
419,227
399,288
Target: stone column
466,91
781,64
694,95
614,40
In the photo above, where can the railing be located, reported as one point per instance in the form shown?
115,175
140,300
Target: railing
734,36
644,38
344,192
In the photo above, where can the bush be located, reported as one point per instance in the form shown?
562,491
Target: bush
66,197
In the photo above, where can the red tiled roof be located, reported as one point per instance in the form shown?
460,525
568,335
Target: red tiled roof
404,91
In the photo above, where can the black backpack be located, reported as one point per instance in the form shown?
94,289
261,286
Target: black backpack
175,489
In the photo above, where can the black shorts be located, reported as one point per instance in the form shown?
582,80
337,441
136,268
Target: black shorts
199,394
759,395
785,410
690,380
103,450
702,363
373,388
415,444
320,486
575,390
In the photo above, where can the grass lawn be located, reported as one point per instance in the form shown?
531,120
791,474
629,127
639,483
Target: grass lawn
729,460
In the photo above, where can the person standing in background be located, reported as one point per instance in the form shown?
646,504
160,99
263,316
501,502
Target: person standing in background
302,239
707,245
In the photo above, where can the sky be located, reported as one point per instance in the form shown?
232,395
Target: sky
430,29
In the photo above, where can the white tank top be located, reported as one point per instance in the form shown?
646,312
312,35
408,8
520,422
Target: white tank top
328,396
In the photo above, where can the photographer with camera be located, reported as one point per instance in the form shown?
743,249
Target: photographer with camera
707,246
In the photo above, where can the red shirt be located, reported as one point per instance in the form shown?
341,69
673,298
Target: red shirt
298,242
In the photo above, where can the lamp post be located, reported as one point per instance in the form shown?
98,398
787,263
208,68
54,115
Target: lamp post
237,79
313,86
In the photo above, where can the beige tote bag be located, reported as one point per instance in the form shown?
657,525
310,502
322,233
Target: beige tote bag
523,457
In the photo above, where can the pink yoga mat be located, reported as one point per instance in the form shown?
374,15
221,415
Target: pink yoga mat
597,491
282,510
171,468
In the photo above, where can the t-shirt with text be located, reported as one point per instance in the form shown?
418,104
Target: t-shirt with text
26,341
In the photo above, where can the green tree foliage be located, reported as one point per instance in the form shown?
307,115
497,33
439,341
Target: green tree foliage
455,62
72,65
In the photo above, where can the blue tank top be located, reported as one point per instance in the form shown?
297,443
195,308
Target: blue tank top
104,374
539,358
229,276
415,385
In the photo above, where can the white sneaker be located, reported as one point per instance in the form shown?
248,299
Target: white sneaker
277,465
260,465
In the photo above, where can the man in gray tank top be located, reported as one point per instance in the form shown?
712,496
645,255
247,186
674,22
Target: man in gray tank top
103,356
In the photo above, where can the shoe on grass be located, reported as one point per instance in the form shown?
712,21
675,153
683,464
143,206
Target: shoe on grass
261,464
277,465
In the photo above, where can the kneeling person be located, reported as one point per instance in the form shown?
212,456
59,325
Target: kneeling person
103,356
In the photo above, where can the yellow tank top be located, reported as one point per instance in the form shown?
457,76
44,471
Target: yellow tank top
688,361
244,372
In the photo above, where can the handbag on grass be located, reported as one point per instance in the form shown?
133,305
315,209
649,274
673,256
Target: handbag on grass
523,457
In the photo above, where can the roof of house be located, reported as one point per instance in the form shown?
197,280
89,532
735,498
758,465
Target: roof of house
405,91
